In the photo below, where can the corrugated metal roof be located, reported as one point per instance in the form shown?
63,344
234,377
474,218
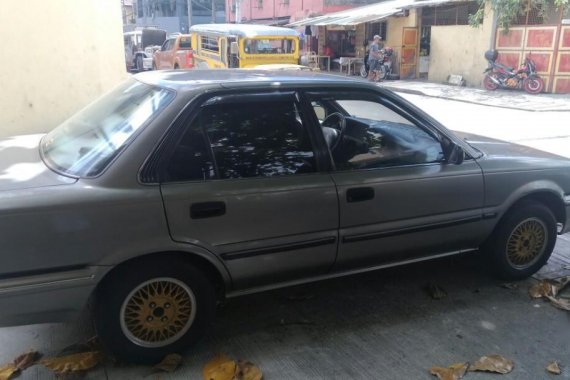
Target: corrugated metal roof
373,12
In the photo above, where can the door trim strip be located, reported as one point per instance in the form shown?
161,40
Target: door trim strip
278,248
407,230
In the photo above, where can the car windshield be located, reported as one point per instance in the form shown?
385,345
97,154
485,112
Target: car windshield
83,145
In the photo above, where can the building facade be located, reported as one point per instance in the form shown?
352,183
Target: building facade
172,15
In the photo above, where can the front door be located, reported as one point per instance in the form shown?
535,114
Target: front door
408,59
245,183
399,198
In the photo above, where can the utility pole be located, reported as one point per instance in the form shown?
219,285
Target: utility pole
189,14
238,11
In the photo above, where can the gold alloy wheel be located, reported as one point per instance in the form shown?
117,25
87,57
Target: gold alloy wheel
526,243
158,312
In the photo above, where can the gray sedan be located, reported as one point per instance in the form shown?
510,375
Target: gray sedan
178,189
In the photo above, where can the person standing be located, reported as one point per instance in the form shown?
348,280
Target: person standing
374,56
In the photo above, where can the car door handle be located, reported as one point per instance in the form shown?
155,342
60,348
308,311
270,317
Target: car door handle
359,194
207,210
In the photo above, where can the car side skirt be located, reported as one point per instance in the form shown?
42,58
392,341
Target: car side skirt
328,276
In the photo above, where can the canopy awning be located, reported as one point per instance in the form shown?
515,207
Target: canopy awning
367,13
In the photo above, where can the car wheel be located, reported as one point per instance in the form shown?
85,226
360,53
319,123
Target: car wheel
176,67
523,241
154,307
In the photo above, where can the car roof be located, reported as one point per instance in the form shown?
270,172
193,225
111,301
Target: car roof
189,80
244,30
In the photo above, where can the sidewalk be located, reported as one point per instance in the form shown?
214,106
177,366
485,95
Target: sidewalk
500,98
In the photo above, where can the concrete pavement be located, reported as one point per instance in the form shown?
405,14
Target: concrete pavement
512,99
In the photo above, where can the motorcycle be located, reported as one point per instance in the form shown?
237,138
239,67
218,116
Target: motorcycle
498,75
384,69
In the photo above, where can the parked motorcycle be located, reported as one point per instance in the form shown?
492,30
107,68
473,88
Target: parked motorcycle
498,75
384,70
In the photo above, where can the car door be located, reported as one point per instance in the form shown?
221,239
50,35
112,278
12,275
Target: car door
167,56
399,198
159,55
245,182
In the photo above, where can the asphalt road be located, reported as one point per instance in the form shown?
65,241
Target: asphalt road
380,325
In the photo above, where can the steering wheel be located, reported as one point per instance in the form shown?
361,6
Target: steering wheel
337,121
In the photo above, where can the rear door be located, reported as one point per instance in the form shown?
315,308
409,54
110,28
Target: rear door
399,198
245,182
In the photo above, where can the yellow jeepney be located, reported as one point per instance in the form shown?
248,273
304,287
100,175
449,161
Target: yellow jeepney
243,45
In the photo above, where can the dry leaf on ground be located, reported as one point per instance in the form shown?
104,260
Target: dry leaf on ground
510,285
247,371
220,368
435,291
453,372
550,290
7,371
541,289
26,360
169,364
554,368
493,363
72,363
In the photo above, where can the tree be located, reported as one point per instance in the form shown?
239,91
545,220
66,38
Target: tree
507,11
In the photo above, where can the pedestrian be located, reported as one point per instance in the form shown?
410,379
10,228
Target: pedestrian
374,56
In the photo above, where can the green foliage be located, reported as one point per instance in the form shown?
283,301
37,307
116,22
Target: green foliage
507,11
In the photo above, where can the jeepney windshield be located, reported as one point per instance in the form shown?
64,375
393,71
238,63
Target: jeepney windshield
269,46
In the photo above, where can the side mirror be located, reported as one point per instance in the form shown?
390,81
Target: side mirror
234,48
456,155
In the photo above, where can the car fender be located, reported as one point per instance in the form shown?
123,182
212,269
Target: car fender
111,261
528,189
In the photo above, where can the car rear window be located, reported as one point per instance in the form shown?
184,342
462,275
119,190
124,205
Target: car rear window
185,43
83,145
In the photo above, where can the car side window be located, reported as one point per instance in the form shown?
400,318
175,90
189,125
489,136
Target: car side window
374,136
258,140
243,140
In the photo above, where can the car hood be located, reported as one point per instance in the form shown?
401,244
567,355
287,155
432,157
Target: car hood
21,166
494,148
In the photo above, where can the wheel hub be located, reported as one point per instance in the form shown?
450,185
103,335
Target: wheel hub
526,243
158,312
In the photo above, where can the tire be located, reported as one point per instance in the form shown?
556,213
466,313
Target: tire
522,242
363,71
381,74
533,85
176,67
150,308
489,84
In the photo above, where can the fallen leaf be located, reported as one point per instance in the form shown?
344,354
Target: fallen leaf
453,372
492,363
247,371
220,368
7,371
541,289
169,364
92,344
435,291
561,303
554,368
26,360
510,285
72,363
